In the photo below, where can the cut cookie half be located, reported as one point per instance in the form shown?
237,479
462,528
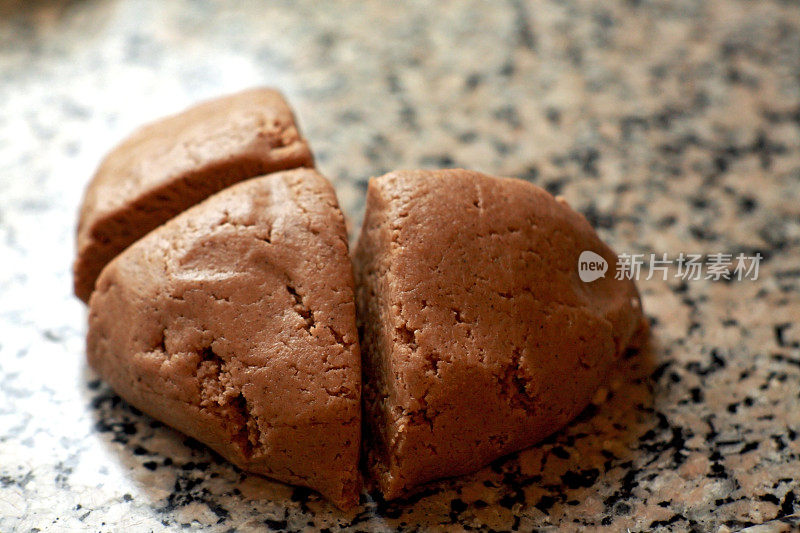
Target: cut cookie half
170,165
478,336
235,323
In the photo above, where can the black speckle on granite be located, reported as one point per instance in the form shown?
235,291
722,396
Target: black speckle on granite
276,525
584,478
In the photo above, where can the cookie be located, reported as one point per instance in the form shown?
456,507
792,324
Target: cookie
478,337
234,323
174,163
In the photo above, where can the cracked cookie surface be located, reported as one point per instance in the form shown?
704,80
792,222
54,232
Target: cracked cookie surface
235,323
478,337
172,164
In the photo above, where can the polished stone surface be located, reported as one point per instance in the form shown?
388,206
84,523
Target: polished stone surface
673,126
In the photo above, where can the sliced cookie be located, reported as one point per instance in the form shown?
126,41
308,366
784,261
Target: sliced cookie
478,337
168,166
235,323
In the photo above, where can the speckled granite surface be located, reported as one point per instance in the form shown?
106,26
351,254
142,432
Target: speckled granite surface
674,126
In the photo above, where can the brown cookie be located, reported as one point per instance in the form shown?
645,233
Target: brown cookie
235,323
168,166
479,338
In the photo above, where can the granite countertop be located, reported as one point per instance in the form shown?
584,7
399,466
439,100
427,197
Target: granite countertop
673,126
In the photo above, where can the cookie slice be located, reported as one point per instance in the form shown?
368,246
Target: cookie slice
170,165
235,323
479,339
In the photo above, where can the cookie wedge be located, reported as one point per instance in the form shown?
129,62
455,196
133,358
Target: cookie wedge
235,323
478,337
172,164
